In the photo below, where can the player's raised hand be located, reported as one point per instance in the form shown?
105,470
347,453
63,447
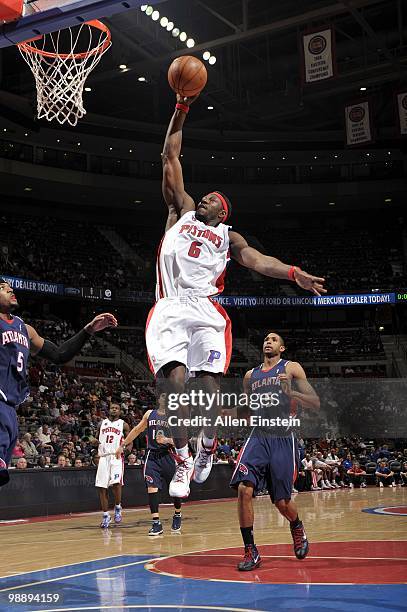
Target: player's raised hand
309,282
186,100
101,321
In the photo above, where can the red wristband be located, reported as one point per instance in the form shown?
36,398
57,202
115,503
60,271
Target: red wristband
291,273
182,107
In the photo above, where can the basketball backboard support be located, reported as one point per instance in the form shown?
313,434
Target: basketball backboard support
44,16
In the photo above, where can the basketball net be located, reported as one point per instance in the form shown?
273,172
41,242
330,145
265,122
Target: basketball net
59,74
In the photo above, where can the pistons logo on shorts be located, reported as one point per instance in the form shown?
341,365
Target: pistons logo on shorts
116,476
213,355
149,479
243,469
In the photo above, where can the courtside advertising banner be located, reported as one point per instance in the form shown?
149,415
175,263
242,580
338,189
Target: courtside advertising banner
358,128
318,56
402,112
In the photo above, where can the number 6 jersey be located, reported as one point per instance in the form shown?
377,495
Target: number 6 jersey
192,258
14,352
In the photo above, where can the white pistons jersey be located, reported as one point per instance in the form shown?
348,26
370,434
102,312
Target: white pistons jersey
192,258
110,436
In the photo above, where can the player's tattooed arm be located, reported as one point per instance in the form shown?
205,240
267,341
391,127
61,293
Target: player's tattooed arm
304,394
177,199
64,353
270,266
132,435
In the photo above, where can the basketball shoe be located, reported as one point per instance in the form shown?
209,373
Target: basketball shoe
106,521
203,459
251,559
301,545
179,485
117,515
156,529
176,522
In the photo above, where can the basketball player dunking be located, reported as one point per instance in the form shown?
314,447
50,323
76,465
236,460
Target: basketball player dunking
17,339
186,330
160,464
110,470
269,457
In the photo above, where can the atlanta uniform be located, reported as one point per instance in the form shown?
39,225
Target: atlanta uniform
186,325
160,464
110,470
269,457
14,352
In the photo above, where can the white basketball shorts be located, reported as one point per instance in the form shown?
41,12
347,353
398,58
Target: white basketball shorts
195,331
110,471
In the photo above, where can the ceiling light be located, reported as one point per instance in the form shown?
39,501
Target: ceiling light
368,154
335,156
110,148
283,157
233,157
210,107
88,88
130,150
363,88
170,26
79,144
212,60
183,36
387,200
155,16
263,158
278,205
315,157
27,188
122,66
388,152
175,32
190,43
164,22
143,7
58,140
26,134
4,129
149,10
212,157
381,328
138,201
142,79
206,55
331,203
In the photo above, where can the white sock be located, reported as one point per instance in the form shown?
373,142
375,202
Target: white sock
118,507
207,442
183,452
106,514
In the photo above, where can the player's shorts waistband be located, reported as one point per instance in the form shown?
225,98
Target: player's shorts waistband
159,452
186,298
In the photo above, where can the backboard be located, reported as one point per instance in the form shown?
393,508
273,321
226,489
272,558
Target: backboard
44,16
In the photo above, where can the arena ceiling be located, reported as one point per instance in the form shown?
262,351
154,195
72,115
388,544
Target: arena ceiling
255,86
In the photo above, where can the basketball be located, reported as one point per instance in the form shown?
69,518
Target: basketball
187,75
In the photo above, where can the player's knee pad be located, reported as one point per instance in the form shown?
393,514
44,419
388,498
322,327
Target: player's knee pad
154,502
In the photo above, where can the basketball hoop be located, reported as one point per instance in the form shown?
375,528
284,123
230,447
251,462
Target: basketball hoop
60,77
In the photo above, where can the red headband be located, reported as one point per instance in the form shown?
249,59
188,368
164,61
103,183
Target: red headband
223,202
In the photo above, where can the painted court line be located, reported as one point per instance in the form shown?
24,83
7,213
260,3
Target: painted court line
47,569
104,569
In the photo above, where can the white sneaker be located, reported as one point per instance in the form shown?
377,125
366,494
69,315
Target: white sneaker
324,485
294,490
342,484
351,485
381,485
179,485
203,460
315,489
363,485
333,483
328,485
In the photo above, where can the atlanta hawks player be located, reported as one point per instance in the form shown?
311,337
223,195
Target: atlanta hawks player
186,329
111,433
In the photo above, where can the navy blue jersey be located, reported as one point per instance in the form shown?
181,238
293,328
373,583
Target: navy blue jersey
14,351
157,423
266,393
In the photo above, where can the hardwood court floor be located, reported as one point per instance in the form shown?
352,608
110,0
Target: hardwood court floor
349,546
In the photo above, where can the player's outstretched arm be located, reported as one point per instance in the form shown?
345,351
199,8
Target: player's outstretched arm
177,199
132,435
305,393
64,353
270,266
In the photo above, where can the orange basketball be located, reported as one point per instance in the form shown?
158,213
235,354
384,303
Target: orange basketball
187,75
